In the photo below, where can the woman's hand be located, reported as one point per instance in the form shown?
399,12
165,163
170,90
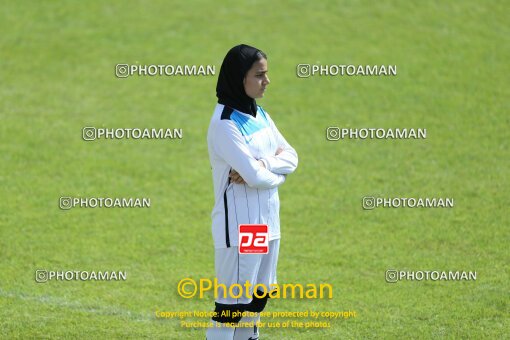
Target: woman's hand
235,177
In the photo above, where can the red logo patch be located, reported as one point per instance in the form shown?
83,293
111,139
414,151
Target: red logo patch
253,239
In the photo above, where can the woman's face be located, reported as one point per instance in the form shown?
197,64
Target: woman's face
256,79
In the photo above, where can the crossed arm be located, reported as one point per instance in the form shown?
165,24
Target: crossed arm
263,173
236,177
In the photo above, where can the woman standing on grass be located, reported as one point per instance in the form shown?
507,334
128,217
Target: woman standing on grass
249,159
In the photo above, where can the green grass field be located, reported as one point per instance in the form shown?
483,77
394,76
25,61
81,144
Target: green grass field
57,76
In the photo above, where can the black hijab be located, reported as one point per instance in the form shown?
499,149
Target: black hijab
230,88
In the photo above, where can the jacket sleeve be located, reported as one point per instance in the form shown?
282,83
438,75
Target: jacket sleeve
229,144
286,162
